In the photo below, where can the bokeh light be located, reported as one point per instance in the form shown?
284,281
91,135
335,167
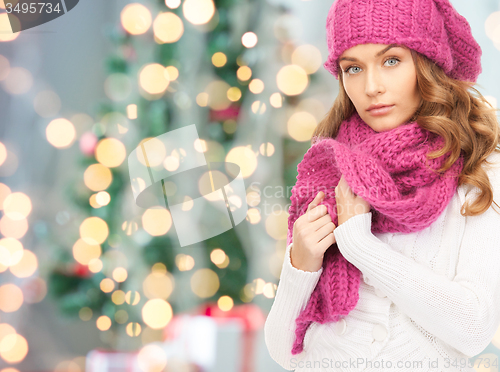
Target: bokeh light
172,73
110,152
97,177
234,94
256,86
4,192
219,59
152,79
103,323
245,158
173,4
13,348
11,252
60,133
95,265
202,99
107,285
156,152
17,206
217,95
18,81
266,149
292,80
244,73
152,358
94,230
301,126
205,283
269,290
3,153
198,12
225,303
4,66
276,100
157,221
168,27
68,366
492,27
6,33
130,227
132,111
84,253
217,256
184,262
120,274
133,329
132,297
308,57
85,314
249,39
258,107
158,285
13,228
93,201
118,297
11,298
253,216
26,266
5,330
277,225
102,198
34,290
156,313
135,18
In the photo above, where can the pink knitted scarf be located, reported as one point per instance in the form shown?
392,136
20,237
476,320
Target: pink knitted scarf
391,172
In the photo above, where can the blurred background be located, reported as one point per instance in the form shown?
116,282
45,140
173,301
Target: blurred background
88,279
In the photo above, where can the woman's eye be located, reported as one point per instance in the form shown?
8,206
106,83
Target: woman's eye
349,68
393,59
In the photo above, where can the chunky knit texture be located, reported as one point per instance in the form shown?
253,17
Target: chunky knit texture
431,27
389,170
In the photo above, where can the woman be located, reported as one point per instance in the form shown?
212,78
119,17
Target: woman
393,264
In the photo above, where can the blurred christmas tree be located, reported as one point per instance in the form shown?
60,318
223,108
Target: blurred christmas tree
172,65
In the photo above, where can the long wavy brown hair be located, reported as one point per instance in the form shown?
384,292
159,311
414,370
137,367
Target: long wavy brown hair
452,109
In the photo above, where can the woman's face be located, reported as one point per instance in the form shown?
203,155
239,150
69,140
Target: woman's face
381,74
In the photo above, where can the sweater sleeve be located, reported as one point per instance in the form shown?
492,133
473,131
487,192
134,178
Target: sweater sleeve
294,290
463,312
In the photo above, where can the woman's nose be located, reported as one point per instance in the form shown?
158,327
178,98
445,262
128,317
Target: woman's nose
374,83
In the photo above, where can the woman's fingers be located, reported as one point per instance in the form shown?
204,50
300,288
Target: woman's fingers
317,199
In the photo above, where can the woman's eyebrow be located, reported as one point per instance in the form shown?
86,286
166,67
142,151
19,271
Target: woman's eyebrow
377,55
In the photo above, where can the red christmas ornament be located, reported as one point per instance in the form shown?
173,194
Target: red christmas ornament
81,271
88,142
231,112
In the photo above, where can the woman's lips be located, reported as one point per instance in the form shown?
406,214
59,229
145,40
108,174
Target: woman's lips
381,111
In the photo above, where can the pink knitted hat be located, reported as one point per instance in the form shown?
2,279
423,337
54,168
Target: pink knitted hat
431,27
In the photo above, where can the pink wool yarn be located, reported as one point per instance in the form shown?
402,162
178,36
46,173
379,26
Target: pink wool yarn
391,171
431,27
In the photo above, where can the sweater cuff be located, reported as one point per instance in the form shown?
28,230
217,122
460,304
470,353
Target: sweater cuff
375,259
297,284
353,233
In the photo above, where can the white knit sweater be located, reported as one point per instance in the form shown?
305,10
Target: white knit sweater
427,300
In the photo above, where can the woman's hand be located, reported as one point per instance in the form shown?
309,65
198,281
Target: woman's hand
312,235
348,204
